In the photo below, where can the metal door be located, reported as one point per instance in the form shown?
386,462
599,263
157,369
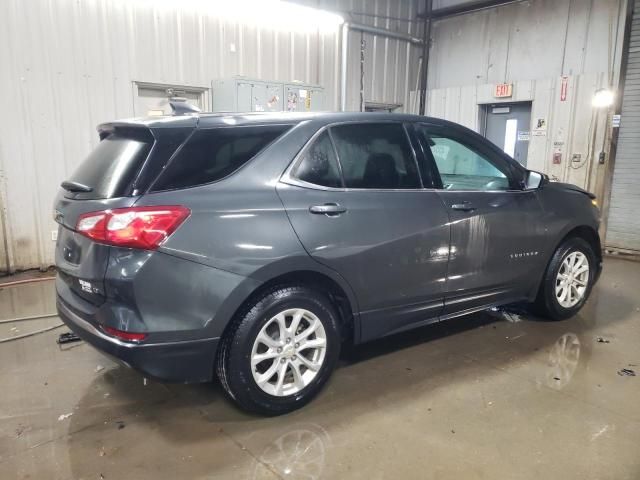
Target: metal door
390,245
623,225
509,127
496,228
496,240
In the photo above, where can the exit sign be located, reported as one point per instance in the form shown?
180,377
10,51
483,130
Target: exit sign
503,90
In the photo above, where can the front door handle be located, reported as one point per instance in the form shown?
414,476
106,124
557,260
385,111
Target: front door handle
463,207
329,209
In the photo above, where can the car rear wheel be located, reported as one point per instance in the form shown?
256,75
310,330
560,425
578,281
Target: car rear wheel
280,350
568,280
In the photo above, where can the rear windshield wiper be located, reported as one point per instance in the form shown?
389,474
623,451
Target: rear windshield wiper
75,187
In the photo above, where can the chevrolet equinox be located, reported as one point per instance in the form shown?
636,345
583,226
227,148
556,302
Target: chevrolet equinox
252,246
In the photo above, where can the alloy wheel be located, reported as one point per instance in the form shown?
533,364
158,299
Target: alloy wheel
572,279
288,352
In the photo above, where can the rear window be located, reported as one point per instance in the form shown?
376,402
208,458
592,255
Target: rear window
212,154
111,167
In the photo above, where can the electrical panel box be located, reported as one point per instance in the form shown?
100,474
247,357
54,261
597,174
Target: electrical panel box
240,94
151,99
303,98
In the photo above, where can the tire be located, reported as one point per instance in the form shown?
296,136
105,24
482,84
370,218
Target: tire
548,303
240,347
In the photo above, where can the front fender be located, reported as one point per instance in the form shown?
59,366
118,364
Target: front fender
566,211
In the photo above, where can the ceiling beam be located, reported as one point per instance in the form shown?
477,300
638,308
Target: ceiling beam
383,32
467,7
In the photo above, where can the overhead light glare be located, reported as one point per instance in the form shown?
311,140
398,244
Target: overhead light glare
267,14
603,98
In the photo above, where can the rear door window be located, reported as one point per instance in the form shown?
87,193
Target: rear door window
319,164
111,167
375,156
212,154
167,142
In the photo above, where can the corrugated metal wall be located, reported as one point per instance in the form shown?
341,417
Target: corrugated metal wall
390,66
623,230
537,39
569,122
533,45
68,65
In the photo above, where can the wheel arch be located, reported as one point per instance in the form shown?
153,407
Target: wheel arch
339,296
587,233
544,301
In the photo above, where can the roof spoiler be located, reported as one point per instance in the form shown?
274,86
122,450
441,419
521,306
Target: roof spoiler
181,107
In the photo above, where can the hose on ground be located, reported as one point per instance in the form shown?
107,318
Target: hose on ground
22,282
30,334
32,317
24,319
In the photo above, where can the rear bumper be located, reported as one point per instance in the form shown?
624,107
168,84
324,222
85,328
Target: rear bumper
189,361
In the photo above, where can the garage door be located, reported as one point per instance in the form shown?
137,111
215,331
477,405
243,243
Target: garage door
623,228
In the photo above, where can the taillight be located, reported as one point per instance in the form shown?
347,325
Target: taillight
135,227
126,336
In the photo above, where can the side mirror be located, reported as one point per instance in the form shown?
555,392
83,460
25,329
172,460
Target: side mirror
534,180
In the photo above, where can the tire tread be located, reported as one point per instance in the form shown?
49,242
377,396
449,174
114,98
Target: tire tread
545,304
239,329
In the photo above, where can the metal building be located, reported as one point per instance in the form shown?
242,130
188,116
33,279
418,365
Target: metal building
429,309
553,55
115,59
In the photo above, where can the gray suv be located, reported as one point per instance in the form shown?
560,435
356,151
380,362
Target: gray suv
254,246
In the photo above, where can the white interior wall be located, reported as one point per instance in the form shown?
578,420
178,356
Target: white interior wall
569,122
68,65
532,44
530,40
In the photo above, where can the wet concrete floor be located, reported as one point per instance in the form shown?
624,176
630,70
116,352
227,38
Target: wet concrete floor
474,398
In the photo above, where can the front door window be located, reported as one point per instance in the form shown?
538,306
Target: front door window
462,168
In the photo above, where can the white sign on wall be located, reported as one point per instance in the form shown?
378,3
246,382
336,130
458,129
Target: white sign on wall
524,136
539,127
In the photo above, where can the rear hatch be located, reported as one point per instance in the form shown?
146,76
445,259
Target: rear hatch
112,176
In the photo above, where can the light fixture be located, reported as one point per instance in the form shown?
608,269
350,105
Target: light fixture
266,14
603,98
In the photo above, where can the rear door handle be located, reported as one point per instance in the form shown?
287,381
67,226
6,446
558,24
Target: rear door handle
463,207
330,209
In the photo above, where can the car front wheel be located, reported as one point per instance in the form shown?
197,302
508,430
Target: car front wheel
280,351
568,280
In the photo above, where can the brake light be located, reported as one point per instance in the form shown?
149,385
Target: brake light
135,227
122,335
